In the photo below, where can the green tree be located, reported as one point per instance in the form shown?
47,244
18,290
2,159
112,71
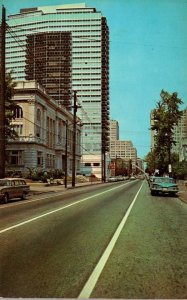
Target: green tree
180,169
10,106
166,115
151,163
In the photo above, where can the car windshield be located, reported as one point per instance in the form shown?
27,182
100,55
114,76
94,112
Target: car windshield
4,183
165,179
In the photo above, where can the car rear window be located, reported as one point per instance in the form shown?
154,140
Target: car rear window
19,182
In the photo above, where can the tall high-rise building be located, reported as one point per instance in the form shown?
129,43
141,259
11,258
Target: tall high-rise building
89,63
114,130
180,131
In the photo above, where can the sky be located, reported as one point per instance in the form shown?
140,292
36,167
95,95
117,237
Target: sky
148,53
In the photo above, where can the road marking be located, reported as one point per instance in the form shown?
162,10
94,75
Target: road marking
22,202
38,198
59,209
91,282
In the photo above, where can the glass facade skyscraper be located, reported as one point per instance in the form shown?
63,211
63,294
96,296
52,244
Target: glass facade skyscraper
89,62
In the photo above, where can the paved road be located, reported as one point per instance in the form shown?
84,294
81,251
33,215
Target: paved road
50,244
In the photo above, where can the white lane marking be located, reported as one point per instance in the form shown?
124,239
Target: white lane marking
58,209
39,198
31,201
91,282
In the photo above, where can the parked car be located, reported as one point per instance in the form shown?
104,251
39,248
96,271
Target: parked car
13,188
120,178
150,180
163,185
132,178
112,179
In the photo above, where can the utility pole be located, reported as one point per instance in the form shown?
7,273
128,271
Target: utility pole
104,166
66,156
2,93
74,137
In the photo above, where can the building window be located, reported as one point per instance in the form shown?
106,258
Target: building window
38,126
15,157
18,112
87,164
39,158
96,164
18,129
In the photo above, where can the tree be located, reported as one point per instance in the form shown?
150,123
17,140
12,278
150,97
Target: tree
180,170
10,106
165,116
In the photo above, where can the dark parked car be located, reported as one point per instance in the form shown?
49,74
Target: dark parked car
163,185
13,188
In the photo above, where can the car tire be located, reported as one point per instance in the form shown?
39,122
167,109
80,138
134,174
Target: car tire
24,196
153,193
5,198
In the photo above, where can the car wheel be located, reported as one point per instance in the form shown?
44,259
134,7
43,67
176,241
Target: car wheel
173,194
5,198
24,196
152,193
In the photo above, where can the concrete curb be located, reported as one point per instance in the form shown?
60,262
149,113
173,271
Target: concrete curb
42,188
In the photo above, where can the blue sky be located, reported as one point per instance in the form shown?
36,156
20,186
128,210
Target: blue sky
148,53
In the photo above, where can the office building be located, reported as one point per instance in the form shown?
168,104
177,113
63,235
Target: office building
124,150
179,135
180,132
89,64
120,149
114,130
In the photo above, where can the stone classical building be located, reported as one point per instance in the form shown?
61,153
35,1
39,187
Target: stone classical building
40,124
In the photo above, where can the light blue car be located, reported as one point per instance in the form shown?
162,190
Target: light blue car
163,185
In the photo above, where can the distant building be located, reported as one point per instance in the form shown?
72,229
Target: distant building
140,164
179,135
114,130
118,148
124,150
183,149
41,127
93,166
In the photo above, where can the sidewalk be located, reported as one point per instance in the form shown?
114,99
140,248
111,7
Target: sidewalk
37,188
182,191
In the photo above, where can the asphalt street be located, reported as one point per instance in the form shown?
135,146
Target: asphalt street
102,241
